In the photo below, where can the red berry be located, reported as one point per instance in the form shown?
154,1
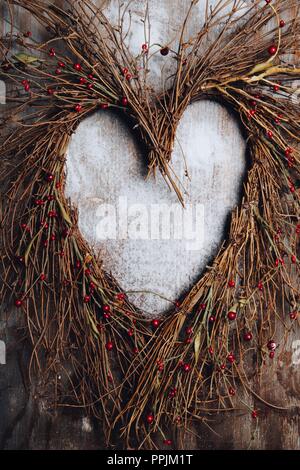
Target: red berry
52,214
248,336
82,80
260,286
86,299
53,237
78,108
222,367
28,34
294,259
109,345
135,350
272,49
104,105
150,418
125,71
91,76
186,367
130,332
52,52
271,345
165,51
231,283
145,47
189,331
50,91
282,23
276,87
124,101
106,316
106,308
272,355
61,64
231,315
42,277
231,391
77,67
128,76
155,323
231,358
27,87
212,319
202,306
292,188
58,71
50,177
293,315
18,303
90,86
168,442
254,414
121,297
270,134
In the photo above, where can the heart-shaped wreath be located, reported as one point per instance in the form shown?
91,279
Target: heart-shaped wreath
91,346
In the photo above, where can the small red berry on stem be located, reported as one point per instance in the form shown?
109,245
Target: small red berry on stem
186,367
254,414
231,316
271,345
231,283
248,336
18,303
272,49
124,101
77,67
106,308
293,315
231,391
150,418
145,47
52,52
168,442
282,23
231,358
78,108
164,51
86,299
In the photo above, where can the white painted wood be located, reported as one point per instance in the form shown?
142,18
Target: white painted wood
104,164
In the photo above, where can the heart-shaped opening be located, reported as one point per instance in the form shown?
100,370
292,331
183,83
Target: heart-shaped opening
155,248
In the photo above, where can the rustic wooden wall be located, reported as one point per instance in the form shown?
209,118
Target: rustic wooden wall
104,163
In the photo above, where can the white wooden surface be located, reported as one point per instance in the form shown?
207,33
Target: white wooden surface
104,164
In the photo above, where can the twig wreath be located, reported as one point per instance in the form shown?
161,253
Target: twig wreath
91,346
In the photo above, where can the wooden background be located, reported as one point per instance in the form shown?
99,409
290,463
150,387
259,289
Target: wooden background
104,164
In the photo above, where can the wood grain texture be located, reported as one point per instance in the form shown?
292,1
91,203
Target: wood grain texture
217,165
